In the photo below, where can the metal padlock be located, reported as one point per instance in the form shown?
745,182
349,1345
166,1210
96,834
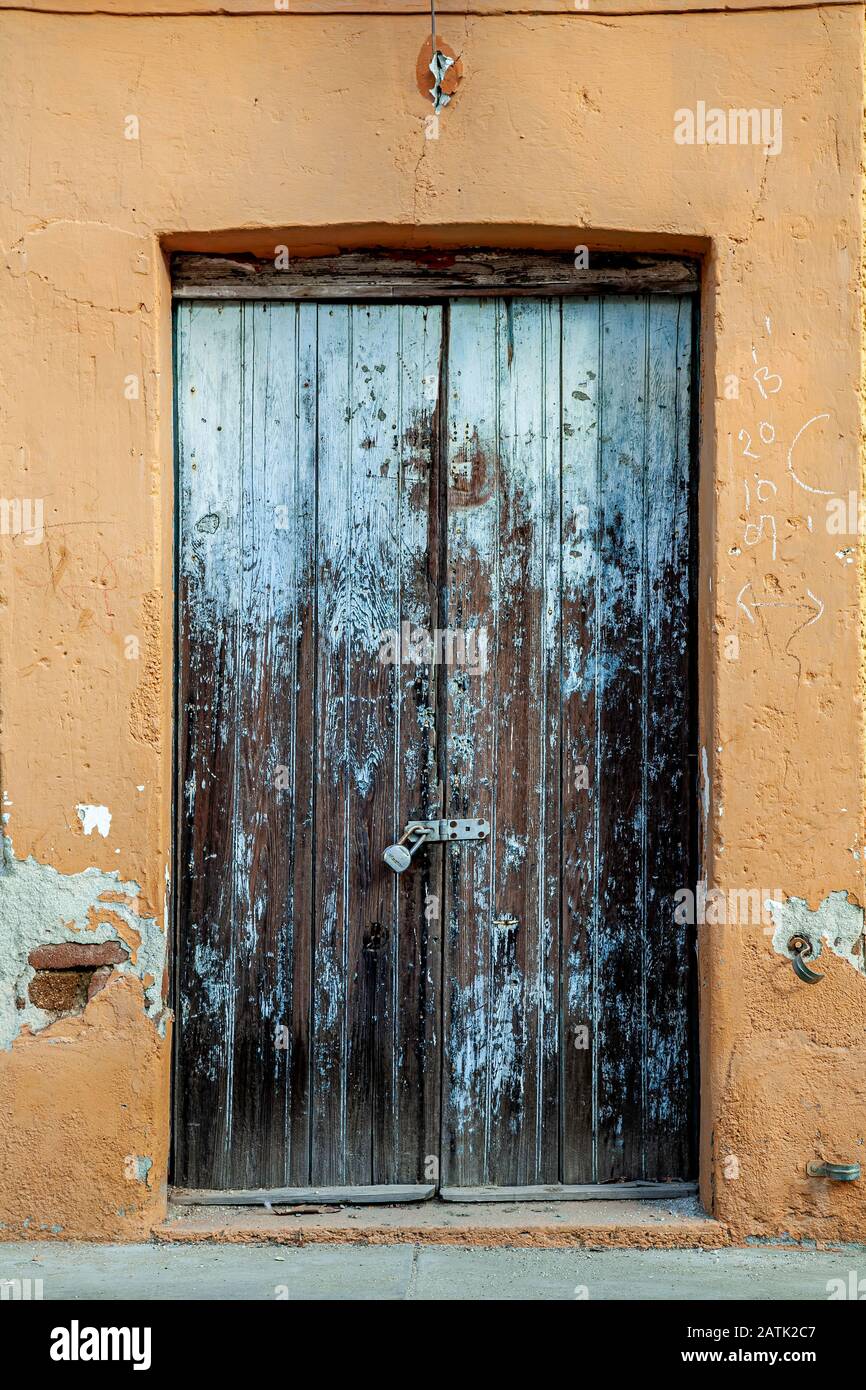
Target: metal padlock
397,856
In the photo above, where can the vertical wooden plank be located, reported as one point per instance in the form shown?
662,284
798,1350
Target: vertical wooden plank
546,978
334,638
581,610
257,1069
301,735
274,692
210,429
669,789
524,928
372,576
548,962
619,1028
408,1094
472,463
372,739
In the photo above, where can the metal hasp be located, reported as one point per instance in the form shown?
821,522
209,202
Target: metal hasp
431,832
836,1172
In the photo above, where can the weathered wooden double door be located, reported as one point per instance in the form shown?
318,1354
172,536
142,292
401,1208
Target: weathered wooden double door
435,560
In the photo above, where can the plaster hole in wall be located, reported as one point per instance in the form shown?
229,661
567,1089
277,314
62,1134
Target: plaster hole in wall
450,79
94,818
836,923
69,974
136,1168
65,937
59,992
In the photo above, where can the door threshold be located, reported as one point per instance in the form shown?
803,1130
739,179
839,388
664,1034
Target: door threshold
680,1223
377,1195
569,1192
398,1194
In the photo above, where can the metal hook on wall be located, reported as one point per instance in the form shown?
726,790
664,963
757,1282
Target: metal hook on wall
801,949
836,1172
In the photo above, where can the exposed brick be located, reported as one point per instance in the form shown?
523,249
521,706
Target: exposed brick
98,980
60,991
77,955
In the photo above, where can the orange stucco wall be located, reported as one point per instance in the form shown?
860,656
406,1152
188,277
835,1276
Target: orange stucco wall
308,129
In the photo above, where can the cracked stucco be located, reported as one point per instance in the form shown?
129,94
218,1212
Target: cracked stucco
41,907
836,922
61,255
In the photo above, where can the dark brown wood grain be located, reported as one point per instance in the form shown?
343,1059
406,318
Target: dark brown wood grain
372,571
582,589
670,749
356,275
621,752
472,464
413,1056
262,818
514,471
209,370
300,735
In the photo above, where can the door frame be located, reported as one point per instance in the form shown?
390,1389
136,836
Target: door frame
425,275
408,276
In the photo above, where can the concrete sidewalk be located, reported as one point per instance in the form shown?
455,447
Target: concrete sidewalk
219,1271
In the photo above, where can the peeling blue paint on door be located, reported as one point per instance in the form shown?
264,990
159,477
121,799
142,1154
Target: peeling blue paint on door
515,472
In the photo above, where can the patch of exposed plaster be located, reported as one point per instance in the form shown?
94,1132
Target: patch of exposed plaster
136,1168
145,708
836,922
94,818
705,788
41,907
